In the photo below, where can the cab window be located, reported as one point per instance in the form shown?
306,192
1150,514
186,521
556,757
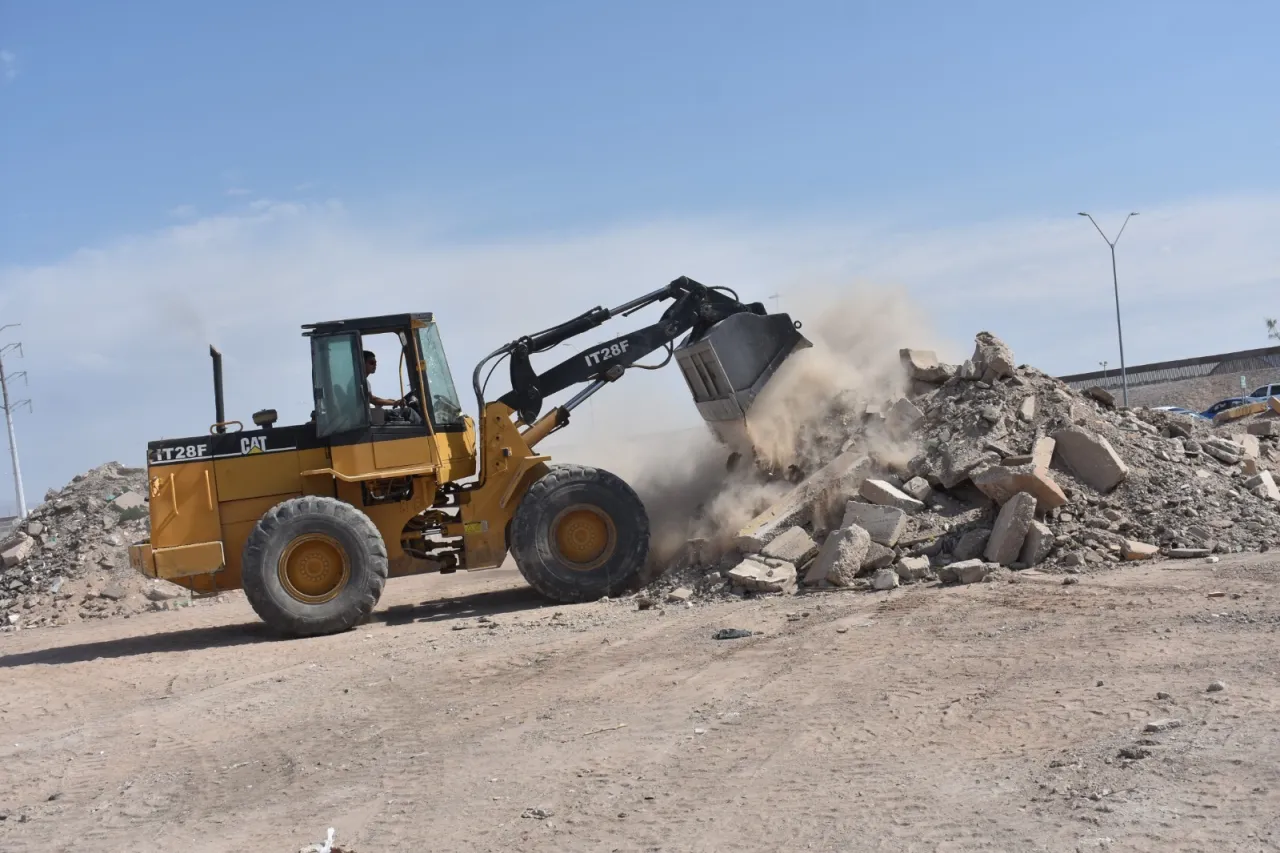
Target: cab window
442,398
337,379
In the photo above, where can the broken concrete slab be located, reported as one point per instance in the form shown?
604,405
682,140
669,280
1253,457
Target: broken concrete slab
794,545
1264,484
883,493
965,572
1134,550
1250,445
1010,531
1042,452
840,559
1090,457
1101,395
1037,545
1027,411
885,524
761,576
1264,428
1000,483
796,508
1244,411
1188,553
680,595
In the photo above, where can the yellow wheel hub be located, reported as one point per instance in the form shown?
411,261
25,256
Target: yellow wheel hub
314,568
584,536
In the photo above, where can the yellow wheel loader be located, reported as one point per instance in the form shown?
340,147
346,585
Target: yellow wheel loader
311,520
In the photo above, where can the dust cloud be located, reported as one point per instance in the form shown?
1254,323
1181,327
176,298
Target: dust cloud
810,411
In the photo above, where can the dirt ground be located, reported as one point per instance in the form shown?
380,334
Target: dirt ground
471,716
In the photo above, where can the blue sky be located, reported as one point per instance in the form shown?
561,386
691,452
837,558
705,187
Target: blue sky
247,166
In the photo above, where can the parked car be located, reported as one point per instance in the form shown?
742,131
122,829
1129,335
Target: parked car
1177,410
1223,405
1265,392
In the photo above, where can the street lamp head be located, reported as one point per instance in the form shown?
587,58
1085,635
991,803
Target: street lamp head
1135,213
1082,214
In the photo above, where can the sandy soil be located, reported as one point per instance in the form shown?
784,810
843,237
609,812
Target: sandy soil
989,717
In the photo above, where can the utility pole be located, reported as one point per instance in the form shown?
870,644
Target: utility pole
8,418
1124,376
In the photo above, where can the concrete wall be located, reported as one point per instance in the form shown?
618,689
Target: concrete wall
1195,383
1198,394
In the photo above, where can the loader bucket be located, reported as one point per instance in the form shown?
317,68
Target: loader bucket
727,367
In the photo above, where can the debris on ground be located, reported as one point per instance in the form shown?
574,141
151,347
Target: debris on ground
987,468
68,560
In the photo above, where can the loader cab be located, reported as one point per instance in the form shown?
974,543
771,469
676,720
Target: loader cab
426,429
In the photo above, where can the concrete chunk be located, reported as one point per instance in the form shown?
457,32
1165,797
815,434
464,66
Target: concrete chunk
965,571
878,557
760,576
840,558
18,552
913,568
1027,411
902,418
1265,483
1091,458
1010,531
1252,447
1134,550
1000,483
972,543
922,365
793,546
796,508
1042,452
1271,427
962,459
1102,395
885,494
885,579
885,524
129,500
992,358
919,488
1037,545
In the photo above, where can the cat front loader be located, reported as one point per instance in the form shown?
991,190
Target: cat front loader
311,520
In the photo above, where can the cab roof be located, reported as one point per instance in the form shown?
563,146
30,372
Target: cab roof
370,325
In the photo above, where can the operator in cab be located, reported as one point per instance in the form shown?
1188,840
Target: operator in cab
370,366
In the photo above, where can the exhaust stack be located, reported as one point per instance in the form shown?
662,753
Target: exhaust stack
219,408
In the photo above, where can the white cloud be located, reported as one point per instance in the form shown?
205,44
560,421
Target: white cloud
8,65
116,335
184,211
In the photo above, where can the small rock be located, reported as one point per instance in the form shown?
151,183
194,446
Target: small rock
1217,687
1163,696
680,595
1162,725
885,579
114,591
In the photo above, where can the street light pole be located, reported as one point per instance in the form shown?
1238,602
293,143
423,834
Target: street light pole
1124,376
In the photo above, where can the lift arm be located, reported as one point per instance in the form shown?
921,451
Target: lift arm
696,307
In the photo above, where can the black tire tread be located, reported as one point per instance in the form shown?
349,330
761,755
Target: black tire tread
527,516
287,622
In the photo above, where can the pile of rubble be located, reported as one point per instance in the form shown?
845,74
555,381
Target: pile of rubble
1006,469
68,560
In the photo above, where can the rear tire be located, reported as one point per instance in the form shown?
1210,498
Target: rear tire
580,534
314,565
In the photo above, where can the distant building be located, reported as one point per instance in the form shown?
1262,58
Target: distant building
1195,383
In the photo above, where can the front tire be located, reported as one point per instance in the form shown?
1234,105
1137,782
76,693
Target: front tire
314,565
580,534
